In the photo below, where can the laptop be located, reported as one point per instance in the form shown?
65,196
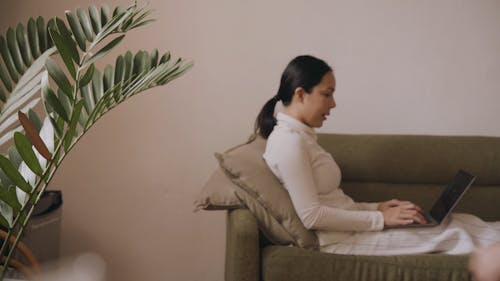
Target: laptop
446,202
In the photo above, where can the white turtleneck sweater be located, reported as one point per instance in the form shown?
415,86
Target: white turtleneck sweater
312,179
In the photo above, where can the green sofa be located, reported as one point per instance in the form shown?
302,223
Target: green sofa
377,168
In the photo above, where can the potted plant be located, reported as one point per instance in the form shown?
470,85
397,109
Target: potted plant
52,93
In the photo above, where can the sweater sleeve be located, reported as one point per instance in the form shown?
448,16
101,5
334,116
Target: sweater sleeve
366,206
294,166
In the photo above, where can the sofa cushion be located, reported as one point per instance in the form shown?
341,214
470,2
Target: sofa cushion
264,195
288,263
218,194
414,159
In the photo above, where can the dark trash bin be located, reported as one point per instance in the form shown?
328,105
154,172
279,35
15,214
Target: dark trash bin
43,231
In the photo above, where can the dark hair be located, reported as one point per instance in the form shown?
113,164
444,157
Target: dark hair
303,71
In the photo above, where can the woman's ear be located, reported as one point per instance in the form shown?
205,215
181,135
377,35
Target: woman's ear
299,94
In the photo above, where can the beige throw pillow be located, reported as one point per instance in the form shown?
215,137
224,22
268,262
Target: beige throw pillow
218,193
264,195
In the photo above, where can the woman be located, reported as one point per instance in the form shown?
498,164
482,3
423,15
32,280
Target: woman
312,177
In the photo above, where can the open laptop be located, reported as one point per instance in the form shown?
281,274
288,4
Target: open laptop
446,202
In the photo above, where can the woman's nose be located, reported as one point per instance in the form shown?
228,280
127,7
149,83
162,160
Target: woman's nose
333,104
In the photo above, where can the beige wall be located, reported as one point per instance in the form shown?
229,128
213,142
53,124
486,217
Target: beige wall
403,67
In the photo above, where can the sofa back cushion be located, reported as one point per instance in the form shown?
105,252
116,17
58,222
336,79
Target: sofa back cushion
414,159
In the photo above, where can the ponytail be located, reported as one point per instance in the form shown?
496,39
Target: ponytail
265,121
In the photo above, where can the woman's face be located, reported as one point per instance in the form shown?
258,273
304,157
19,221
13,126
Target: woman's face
317,104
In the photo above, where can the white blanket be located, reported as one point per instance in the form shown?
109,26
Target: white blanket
459,234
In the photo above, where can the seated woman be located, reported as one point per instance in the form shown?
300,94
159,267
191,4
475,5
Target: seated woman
312,179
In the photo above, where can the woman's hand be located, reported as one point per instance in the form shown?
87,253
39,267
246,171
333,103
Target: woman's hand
397,212
394,203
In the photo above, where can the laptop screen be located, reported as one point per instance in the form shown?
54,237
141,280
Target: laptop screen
451,195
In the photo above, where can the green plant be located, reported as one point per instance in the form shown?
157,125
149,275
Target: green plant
49,68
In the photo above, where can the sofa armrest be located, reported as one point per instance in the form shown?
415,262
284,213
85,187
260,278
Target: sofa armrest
242,246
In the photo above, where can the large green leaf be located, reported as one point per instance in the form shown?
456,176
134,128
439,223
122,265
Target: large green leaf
22,40
165,58
105,14
87,97
70,134
87,77
51,24
14,175
65,102
129,66
4,222
9,196
154,58
58,127
33,38
85,23
7,59
3,96
52,102
5,180
35,120
24,148
42,33
97,87
119,72
108,77
61,28
59,77
67,48
76,29
14,50
95,18
5,79
138,65
14,157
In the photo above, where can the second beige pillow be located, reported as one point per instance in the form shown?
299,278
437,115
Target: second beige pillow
264,195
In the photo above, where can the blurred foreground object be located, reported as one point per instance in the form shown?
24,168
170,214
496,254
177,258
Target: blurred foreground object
85,267
485,264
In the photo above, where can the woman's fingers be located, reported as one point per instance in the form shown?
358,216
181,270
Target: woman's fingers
397,202
405,204
402,215
404,221
417,207
420,219
414,215
411,206
399,216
